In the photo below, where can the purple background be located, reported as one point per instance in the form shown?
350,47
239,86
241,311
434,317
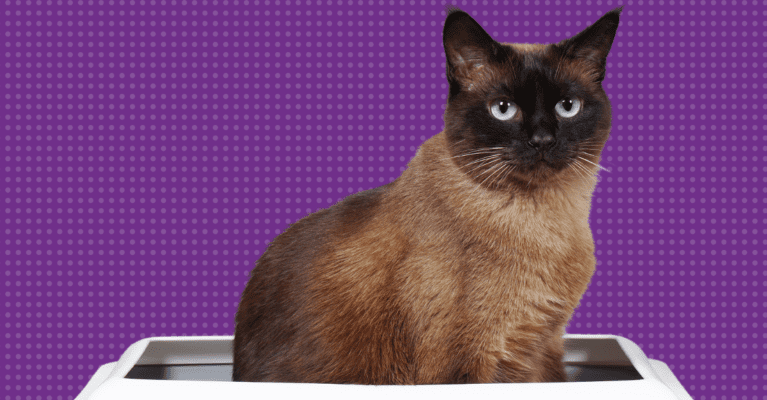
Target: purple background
151,150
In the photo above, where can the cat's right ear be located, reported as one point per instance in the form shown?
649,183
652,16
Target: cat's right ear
468,48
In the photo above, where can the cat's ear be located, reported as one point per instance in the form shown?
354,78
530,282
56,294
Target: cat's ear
594,43
468,48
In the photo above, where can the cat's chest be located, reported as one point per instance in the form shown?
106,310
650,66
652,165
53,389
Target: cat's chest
533,270
523,292
522,235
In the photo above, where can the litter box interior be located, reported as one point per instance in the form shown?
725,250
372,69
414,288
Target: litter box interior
586,360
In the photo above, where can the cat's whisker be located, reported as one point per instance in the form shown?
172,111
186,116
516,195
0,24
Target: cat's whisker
477,151
581,170
483,149
488,170
487,148
503,173
588,176
469,154
507,170
590,148
484,158
596,165
479,167
500,170
485,163
496,171
593,143
480,151
466,155
588,154
468,198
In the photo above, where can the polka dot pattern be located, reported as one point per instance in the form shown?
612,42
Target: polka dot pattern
150,150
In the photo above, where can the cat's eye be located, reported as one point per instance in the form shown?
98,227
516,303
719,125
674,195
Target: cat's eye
503,110
568,107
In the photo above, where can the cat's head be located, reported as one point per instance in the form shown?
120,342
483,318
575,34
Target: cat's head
523,114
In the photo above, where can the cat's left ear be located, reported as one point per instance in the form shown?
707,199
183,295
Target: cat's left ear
594,43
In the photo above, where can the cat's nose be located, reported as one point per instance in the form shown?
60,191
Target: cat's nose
541,140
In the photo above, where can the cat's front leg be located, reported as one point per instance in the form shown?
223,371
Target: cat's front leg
491,367
545,366
521,367
538,359
552,367
520,359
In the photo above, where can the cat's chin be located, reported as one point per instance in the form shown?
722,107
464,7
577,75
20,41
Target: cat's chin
532,175
542,171
534,161
544,166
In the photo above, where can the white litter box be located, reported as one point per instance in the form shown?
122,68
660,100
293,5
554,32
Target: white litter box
197,368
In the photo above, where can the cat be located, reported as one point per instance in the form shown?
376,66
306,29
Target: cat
466,268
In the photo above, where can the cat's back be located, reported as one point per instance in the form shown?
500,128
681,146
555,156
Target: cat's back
300,289
299,244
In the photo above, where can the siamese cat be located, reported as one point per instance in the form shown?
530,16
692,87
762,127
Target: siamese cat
466,268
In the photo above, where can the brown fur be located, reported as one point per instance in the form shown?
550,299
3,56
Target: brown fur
438,277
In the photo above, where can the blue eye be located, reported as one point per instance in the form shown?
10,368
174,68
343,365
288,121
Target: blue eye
568,107
504,110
